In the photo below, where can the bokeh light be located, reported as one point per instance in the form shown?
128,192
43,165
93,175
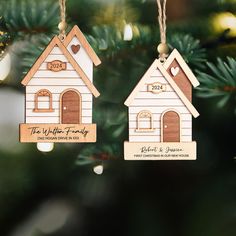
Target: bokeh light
45,147
225,21
5,66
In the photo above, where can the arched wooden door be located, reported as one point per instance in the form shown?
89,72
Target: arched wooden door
171,127
71,108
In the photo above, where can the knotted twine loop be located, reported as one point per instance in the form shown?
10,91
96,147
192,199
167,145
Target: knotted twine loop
62,25
162,47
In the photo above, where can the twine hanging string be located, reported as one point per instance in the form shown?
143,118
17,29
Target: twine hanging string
162,47
62,25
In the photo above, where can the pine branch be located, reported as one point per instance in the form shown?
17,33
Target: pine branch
30,17
190,48
221,82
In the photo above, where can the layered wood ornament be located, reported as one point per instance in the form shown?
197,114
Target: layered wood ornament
59,93
160,113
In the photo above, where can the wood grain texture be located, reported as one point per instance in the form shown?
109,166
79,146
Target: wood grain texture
43,93
140,87
75,31
57,43
57,133
71,108
171,127
175,55
75,48
43,66
181,80
56,66
160,151
144,121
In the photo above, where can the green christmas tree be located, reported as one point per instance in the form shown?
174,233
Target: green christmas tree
153,198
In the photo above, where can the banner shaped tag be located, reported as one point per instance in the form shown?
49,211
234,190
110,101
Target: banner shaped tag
160,151
56,66
156,87
57,133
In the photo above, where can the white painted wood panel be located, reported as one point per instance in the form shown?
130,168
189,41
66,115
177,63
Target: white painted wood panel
87,120
159,102
31,113
156,132
42,120
56,50
56,97
158,109
186,132
159,79
56,104
145,89
51,58
185,125
53,120
186,139
133,124
59,74
156,73
55,81
149,95
87,113
82,58
156,124
56,89
154,138
156,117
44,66
144,139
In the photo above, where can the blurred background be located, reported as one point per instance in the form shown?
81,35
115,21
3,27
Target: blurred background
83,190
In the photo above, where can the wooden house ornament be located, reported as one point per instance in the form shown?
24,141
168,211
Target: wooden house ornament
59,93
160,113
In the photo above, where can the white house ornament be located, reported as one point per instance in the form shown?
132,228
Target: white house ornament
160,113
59,93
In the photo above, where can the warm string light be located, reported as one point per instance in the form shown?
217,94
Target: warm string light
98,169
225,21
45,147
5,66
5,60
128,32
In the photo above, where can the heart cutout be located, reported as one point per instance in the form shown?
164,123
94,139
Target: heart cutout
75,48
174,71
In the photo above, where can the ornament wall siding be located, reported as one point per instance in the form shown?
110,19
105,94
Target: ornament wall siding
56,83
157,104
82,58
